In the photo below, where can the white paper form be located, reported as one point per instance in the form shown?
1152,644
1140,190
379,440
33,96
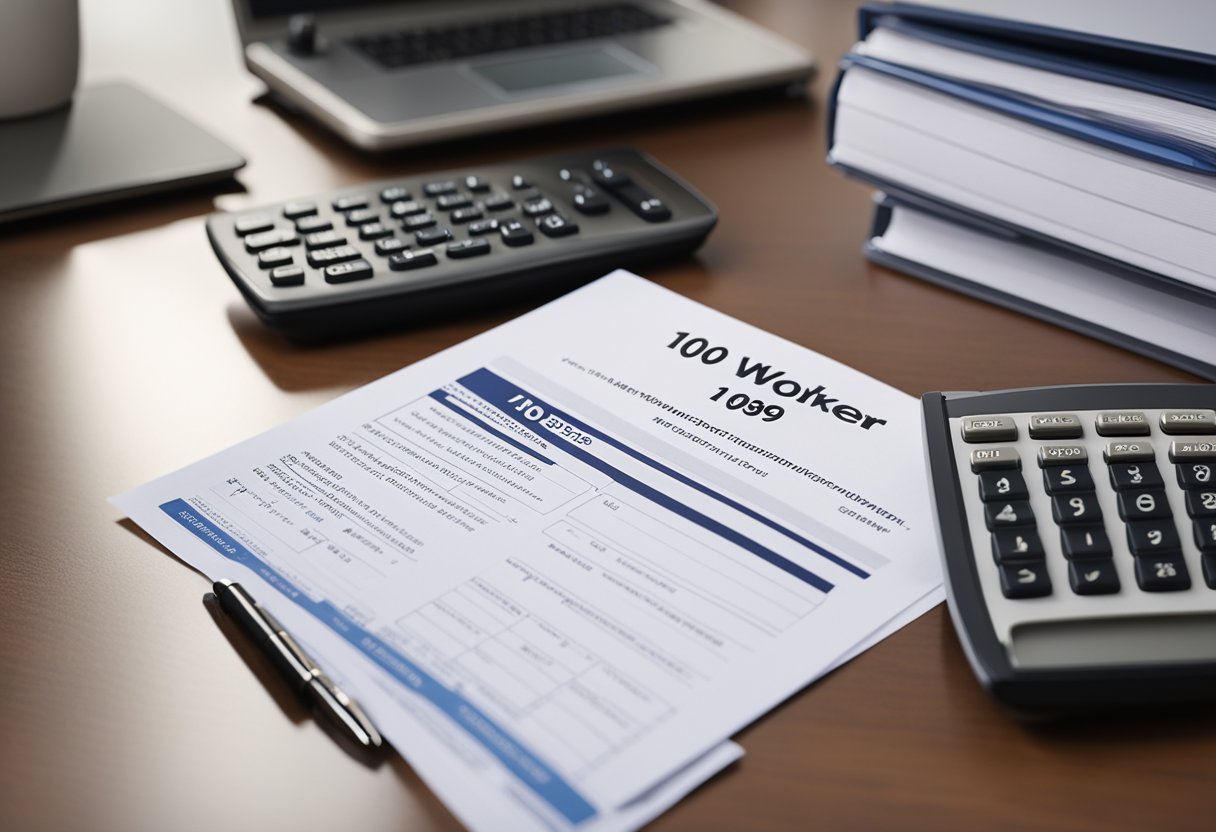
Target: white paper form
576,553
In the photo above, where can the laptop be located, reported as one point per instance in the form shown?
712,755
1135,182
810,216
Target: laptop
392,73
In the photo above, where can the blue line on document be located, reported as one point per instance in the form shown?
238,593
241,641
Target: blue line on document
497,390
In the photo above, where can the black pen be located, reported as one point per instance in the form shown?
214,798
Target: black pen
291,660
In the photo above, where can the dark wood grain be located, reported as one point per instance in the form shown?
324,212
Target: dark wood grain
125,352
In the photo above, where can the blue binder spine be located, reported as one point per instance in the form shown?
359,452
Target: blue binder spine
1056,44
1122,137
1188,77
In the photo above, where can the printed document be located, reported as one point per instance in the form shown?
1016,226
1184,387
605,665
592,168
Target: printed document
560,564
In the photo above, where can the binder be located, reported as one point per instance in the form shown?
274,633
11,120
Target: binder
1025,269
1171,73
1152,145
893,194
1183,76
1144,296
1157,66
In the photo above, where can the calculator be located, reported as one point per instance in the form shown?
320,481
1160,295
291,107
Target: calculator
1078,531
401,250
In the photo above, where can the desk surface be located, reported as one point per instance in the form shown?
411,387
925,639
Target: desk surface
125,352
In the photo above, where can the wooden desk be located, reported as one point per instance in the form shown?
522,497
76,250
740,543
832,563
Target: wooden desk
125,352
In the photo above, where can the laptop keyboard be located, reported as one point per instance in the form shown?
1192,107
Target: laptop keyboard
452,42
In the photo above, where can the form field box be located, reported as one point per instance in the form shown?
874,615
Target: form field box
737,580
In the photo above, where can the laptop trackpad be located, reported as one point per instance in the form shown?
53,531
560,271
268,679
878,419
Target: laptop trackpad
525,74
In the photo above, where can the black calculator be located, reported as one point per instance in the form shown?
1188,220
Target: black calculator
1078,532
397,251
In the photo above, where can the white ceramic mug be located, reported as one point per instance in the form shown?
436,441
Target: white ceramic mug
39,55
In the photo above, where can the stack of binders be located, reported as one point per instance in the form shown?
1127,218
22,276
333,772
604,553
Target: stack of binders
1064,170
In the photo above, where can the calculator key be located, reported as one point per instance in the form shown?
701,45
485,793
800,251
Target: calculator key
296,210
462,215
1081,542
323,239
636,198
418,221
309,225
431,236
1208,559
477,184
1016,545
346,272
287,276
1177,422
416,259
589,201
272,257
434,189
1162,573
607,175
482,227
1125,475
374,231
1024,580
253,223
537,207
555,225
1093,577
449,202
986,459
1002,485
989,429
350,203
394,193
1201,503
472,247
1062,455
362,216
1143,505
1076,509
389,245
1193,450
1014,513
1194,475
514,233
498,202
649,208
1067,479
1122,423
407,208
1147,536
520,182
1205,535
270,239
1055,426
1128,452
328,256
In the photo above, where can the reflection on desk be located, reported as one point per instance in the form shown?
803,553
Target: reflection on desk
126,352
